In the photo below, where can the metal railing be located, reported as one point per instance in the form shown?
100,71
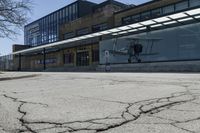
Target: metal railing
6,63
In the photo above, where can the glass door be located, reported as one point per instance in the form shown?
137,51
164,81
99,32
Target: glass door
83,58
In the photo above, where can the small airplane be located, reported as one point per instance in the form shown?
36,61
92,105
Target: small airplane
135,49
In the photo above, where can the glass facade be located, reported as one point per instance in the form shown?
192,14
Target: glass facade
185,4
171,44
45,30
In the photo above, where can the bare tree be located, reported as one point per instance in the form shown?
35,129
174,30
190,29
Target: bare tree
13,16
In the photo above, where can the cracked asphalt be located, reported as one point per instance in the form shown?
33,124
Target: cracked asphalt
99,102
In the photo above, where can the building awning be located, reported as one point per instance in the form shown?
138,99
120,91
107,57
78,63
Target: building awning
163,21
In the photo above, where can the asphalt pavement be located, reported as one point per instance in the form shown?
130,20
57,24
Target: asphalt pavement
99,102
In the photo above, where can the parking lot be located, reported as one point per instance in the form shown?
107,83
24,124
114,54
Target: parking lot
99,102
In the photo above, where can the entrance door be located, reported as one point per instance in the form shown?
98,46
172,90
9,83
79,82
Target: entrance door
82,58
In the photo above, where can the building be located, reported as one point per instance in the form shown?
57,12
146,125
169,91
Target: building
98,17
46,29
87,52
167,29
111,33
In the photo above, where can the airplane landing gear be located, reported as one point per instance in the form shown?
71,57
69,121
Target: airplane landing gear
134,51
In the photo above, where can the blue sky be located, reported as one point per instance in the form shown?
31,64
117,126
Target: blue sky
40,9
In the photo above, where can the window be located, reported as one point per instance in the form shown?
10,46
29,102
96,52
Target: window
99,27
38,39
54,18
31,41
68,58
60,12
69,35
181,5
57,14
136,18
70,13
67,14
83,31
47,61
76,11
145,15
63,15
73,11
194,3
95,55
168,9
38,62
50,61
156,12
126,20
82,58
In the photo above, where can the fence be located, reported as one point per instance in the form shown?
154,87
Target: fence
6,63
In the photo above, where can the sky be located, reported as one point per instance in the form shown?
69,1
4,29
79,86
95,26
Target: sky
41,8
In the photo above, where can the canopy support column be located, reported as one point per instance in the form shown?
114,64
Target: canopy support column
44,59
19,66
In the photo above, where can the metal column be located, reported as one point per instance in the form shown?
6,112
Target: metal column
44,59
19,67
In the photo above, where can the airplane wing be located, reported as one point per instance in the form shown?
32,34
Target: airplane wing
143,39
156,53
118,52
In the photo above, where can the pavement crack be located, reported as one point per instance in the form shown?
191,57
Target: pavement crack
18,77
26,102
181,128
22,120
131,112
144,107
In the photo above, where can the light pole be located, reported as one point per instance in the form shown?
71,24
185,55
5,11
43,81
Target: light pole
0,63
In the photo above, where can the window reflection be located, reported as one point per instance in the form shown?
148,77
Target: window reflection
47,29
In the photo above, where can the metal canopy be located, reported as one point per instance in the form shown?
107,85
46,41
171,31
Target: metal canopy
176,18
